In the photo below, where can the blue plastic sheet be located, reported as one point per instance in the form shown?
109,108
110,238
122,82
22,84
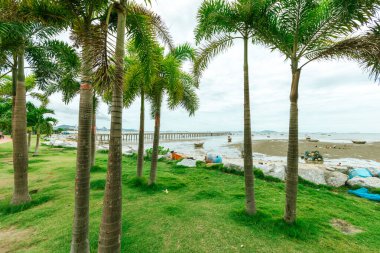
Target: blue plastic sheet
363,193
360,172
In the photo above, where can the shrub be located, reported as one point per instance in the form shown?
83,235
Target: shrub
161,151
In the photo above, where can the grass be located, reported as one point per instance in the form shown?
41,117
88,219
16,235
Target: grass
188,210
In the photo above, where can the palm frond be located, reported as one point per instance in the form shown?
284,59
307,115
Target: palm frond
364,49
184,52
215,18
209,51
160,28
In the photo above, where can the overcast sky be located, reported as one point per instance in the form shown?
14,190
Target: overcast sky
335,96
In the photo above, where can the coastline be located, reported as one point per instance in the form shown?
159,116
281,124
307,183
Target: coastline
270,157
369,151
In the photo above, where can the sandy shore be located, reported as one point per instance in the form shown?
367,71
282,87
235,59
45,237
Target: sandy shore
369,151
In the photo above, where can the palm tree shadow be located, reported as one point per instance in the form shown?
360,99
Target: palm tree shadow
7,209
303,229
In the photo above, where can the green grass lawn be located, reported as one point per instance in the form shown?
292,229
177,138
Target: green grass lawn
202,212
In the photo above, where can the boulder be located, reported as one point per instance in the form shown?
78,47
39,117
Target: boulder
273,170
375,172
188,163
312,174
232,166
336,179
369,182
342,169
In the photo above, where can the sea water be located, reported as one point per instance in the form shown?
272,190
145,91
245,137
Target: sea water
219,145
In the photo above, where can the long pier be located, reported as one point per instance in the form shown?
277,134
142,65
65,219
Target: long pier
134,137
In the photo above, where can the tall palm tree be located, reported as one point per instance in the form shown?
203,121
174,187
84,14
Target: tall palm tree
32,42
6,91
95,103
110,228
179,86
141,26
305,31
138,83
220,23
40,123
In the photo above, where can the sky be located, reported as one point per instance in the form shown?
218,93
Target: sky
335,96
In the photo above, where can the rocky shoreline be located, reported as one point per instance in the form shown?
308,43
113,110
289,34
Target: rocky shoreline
320,174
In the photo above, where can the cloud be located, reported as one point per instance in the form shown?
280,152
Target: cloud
334,95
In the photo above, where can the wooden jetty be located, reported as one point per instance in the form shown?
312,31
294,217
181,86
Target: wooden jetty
134,137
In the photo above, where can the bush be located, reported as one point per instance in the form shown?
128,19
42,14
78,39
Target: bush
161,151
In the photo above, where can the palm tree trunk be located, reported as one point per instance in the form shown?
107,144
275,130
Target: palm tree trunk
93,133
29,138
140,153
80,241
292,160
248,164
20,145
110,228
37,142
14,87
156,143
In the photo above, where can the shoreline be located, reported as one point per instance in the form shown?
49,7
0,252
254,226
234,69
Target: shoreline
329,150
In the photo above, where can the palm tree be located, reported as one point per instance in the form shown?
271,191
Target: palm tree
220,23
305,31
137,83
31,42
170,79
39,122
95,103
141,26
6,91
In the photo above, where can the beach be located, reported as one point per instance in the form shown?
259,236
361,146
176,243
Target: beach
329,150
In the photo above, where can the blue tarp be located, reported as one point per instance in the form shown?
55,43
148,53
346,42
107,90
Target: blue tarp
360,172
363,193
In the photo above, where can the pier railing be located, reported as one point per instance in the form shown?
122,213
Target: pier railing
133,137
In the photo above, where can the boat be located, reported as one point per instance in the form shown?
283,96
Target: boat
198,145
359,142
312,140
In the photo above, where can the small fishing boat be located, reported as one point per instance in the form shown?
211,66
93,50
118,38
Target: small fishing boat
359,142
198,145
312,140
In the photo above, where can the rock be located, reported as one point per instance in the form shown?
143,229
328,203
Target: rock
232,166
312,174
273,170
370,182
330,168
188,163
336,179
375,172
161,156
342,169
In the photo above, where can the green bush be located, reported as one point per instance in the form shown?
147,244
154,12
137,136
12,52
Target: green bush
161,151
